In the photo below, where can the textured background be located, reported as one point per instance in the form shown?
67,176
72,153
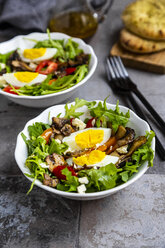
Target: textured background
133,217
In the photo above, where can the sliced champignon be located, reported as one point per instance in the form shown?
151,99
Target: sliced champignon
139,141
122,149
54,160
121,162
79,60
115,153
48,181
121,132
58,123
21,66
67,129
55,131
78,153
14,56
3,71
62,65
128,138
59,137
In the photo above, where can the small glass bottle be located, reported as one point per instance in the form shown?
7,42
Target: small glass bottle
79,18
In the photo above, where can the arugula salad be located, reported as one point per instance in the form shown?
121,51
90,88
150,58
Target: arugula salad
50,66
86,155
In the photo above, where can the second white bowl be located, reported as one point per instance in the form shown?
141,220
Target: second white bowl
51,99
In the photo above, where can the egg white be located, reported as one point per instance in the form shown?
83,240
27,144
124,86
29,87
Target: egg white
50,52
106,160
70,140
11,79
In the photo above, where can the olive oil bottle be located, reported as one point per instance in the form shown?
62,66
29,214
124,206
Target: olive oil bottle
79,24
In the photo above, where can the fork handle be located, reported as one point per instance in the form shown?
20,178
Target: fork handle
148,106
159,147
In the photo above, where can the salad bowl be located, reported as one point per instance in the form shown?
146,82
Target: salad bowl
21,153
39,101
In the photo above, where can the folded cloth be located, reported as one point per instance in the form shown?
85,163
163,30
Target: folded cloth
24,16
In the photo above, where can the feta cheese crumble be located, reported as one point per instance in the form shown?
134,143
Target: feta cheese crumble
83,180
78,123
81,189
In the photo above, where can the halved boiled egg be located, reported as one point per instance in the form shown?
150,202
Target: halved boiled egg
23,78
95,158
87,138
37,54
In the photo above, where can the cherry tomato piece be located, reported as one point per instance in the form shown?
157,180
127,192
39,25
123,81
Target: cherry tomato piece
58,171
51,66
70,70
9,89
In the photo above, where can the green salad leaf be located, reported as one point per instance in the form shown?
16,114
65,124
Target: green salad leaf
57,148
33,162
71,111
37,129
65,50
60,84
5,57
144,153
70,184
113,116
101,179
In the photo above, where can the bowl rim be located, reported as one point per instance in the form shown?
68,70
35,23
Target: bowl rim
93,194
65,36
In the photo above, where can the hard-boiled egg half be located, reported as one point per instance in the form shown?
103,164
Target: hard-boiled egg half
87,138
37,54
95,158
23,78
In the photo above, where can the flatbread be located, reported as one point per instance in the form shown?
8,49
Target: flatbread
137,44
146,18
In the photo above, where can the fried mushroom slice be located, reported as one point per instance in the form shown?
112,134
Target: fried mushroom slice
139,141
54,160
121,132
21,66
78,153
58,123
122,149
128,138
48,181
67,130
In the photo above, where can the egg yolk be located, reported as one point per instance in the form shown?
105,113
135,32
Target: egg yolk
25,76
89,138
34,53
92,158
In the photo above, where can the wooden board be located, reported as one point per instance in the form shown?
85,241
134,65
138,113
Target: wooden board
154,62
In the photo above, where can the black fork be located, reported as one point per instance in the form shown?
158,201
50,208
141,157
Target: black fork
121,83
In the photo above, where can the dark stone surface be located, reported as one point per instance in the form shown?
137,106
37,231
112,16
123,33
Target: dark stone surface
47,221
37,220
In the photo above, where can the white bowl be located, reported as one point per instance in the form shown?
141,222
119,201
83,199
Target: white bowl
51,99
139,125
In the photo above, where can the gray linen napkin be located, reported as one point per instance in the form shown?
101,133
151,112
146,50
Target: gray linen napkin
24,16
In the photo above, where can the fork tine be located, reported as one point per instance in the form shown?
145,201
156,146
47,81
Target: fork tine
110,70
122,66
118,67
115,70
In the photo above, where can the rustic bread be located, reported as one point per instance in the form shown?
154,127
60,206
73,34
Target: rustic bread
137,44
146,18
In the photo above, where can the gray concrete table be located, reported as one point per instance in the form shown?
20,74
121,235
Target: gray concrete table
134,217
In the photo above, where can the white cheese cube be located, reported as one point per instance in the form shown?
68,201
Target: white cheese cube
83,180
78,123
81,189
